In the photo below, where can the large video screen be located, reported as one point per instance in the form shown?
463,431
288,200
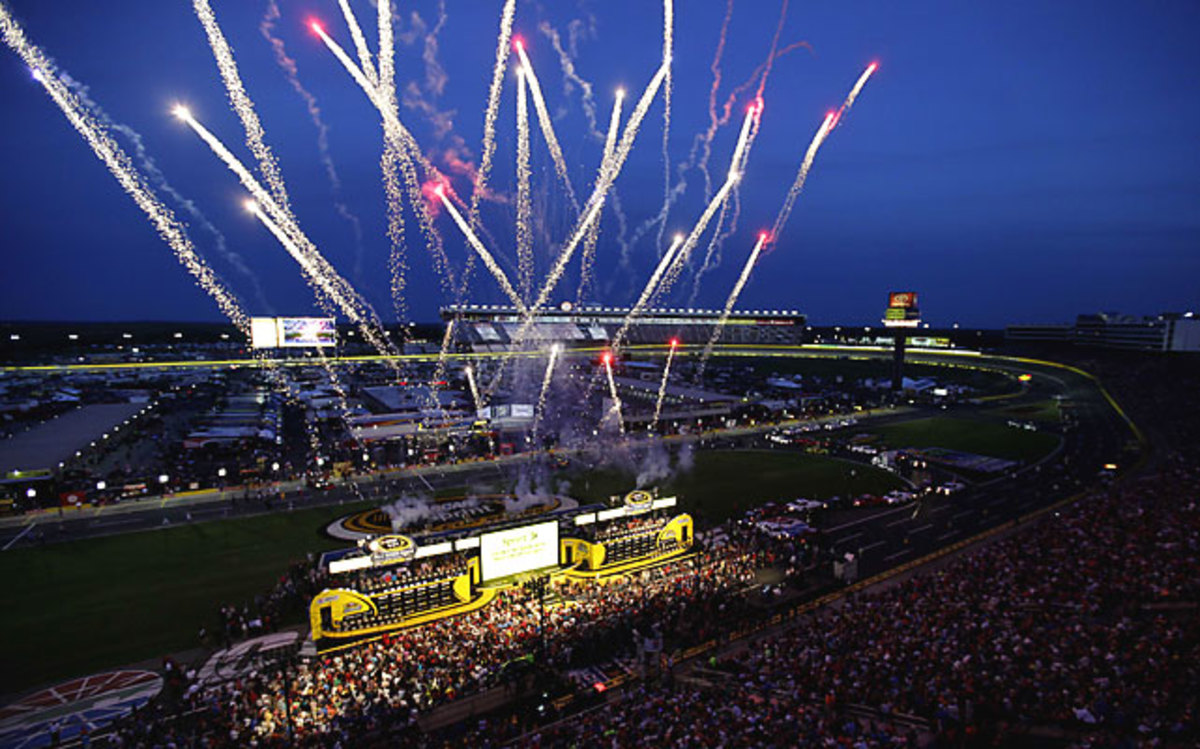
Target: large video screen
517,550
307,331
276,332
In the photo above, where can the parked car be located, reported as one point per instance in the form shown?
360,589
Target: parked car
950,487
805,505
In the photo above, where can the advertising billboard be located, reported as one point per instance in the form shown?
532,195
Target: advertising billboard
902,310
263,332
517,550
292,332
307,331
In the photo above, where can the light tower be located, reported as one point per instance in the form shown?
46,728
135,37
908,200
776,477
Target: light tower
902,312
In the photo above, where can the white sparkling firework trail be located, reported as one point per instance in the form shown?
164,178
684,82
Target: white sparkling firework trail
858,86
547,124
631,128
593,235
241,103
439,371
693,236
313,265
546,378
564,257
524,213
731,208
397,255
612,391
662,386
406,151
267,28
831,121
801,176
732,300
386,81
360,42
306,263
119,164
712,252
717,201
488,260
701,149
474,389
493,105
389,164
154,175
648,291
322,275
614,126
609,171
667,54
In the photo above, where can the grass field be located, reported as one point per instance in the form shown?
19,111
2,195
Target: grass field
79,607
996,440
1046,411
985,382
724,484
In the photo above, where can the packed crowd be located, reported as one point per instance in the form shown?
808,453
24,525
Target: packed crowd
1093,641
385,685
1081,629
411,573
629,526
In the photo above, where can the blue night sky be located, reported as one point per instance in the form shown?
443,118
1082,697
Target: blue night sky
1016,161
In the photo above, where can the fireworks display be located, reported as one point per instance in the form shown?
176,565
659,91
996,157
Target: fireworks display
717,201
488,260
607,358
240,102
121,166
491,112
524,210
470,373
545,122
547,378
411,182
662,385
732,300
827,125
648,291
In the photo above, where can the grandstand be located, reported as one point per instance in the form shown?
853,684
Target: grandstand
395,582
484,327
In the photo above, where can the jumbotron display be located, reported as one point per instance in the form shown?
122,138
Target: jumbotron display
292,332
517,550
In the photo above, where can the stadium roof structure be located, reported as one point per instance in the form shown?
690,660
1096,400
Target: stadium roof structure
586,311
496,327
46,445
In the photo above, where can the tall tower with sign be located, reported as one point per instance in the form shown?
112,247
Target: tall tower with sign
902,312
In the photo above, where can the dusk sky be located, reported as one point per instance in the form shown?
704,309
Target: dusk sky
1021,161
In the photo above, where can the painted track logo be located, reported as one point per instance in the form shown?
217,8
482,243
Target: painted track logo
90,703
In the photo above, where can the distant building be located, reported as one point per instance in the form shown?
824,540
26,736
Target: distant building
1040,333
1165,332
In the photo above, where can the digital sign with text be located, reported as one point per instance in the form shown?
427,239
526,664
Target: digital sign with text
518,550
